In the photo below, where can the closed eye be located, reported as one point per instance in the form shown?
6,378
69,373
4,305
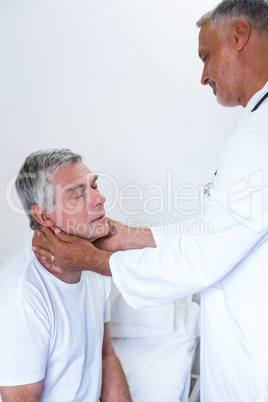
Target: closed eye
94,185
79,193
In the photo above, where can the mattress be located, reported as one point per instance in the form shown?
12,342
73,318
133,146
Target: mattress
158,369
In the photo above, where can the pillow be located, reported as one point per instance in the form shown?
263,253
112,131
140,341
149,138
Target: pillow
163,320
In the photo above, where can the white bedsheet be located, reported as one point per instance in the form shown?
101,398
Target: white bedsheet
158,369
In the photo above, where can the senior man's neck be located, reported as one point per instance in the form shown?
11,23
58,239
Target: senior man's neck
65,275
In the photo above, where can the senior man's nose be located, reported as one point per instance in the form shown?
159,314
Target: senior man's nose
97,198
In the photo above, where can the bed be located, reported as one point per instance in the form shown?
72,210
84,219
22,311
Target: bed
156,347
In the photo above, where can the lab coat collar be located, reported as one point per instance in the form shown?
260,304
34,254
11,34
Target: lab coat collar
256,97
252,102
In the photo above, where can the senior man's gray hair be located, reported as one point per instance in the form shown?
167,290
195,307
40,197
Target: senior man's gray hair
33,182
255,12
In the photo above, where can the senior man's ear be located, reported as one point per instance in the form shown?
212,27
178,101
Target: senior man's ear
42,216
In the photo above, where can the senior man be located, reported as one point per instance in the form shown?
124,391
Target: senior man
230,266
54,339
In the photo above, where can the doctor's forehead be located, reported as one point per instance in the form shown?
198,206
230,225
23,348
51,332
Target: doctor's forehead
208,39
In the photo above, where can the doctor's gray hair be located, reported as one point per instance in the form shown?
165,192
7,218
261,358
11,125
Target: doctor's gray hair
33,182
255,12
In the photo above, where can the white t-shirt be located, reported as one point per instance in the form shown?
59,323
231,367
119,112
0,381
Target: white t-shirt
52,330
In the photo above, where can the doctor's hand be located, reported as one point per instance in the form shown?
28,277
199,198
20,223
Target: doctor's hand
116,239
122,237
70,252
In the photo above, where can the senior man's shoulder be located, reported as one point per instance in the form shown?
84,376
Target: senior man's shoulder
12,274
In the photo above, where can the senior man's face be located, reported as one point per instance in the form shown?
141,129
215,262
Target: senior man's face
220,70
79,204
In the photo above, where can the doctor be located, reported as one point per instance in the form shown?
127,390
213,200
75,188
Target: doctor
229,266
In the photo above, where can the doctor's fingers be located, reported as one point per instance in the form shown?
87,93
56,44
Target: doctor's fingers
43,247
56,237
48,259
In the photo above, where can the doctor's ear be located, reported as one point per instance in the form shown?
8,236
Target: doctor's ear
241,31
42,216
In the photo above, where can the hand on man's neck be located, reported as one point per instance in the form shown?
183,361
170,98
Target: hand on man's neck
64,275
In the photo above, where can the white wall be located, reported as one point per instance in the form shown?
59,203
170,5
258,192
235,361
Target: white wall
119,82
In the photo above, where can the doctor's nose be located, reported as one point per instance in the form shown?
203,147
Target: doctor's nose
205,76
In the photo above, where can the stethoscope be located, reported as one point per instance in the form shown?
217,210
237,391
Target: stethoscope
208,186
260,102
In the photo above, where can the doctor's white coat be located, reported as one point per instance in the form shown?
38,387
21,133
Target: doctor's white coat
229,265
